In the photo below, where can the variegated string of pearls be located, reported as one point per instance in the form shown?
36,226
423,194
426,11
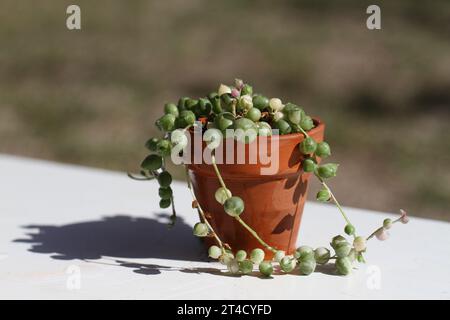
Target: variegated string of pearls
236,107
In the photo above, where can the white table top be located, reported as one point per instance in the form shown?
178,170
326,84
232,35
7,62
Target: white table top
69,232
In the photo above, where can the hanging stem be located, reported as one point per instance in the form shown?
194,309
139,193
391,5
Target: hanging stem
373,233
336,202
253,232
200,210
216,169
246,226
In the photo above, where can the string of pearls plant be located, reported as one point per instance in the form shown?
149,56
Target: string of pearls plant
237,107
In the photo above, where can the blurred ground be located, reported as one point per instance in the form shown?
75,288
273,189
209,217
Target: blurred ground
91,97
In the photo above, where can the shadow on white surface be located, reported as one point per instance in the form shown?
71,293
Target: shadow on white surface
125,237
153,269
119,236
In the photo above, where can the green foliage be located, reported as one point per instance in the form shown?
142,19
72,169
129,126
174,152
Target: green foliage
246,113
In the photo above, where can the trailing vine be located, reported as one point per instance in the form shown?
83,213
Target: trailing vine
237,107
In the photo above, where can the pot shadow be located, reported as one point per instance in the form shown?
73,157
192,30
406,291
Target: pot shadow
126,237
116,236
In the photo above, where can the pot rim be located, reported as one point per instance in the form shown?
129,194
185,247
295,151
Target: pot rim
289,141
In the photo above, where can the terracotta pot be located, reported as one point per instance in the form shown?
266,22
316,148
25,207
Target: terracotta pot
273,203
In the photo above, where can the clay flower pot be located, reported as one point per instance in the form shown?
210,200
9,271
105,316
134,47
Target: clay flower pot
273,203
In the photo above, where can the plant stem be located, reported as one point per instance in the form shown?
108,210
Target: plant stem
336,202
200,210
246,226
373,233
216,169
253,232
303,131
233,108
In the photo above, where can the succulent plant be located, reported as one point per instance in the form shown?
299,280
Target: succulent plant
250,115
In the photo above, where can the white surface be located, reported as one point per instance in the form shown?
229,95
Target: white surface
134,256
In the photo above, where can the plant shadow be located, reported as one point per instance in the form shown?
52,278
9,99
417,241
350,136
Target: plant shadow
119,236
154,269
127,237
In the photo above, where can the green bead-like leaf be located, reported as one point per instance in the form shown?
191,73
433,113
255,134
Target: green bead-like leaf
283,126
216,104
323,150
264,129
163,147
172,109
328,170
164,203
241,255
203,108
224,121
266,268
164,179
222,195
257,255
246,130
152,162
337,240
186,118
246,266
343,265
253,114
247,89
308,145
306,123
304,253
323,195
214,252
166,122
342,249
200,229
309,165
307,267
191,104
234,206
182,103
349,229
260,102
295,115
165,193
288,264
322,255
151,144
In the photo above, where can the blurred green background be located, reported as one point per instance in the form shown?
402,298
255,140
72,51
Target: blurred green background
91,97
